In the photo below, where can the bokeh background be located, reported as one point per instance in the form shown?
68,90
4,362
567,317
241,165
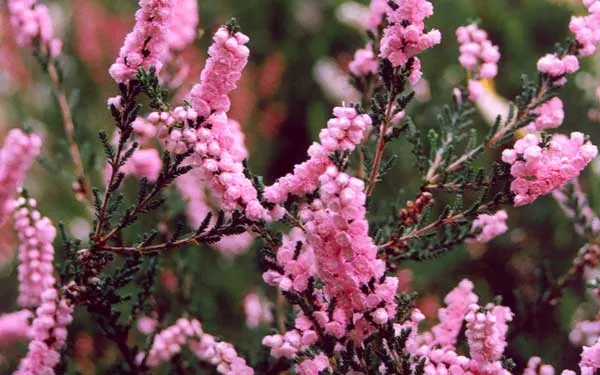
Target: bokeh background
300,50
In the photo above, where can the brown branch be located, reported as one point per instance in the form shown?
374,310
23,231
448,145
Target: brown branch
83,186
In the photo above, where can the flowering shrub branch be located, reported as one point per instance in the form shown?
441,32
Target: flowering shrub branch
335,267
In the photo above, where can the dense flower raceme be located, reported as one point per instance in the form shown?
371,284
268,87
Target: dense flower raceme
48,334
490,226
145,45
196,193
183,24
32,24
216,141
486,335
228,57
16,157
451,317
538,170
590,359
478,56
36,253
405,37
343,133
170,341
14,327
550,116
364,62
587,28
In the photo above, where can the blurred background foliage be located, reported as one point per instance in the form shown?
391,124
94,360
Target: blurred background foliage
282,107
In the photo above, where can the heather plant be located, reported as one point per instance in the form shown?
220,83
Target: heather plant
175,179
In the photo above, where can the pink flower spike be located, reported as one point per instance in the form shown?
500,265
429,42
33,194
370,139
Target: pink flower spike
490,226
16,157
144,46
32,24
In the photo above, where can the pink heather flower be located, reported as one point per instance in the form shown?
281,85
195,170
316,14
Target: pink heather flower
477,54
16,157
486,335
343,132
490,226
304,334
590,359
313,366
220,354
14,327
228,57
170,341
36,253
585,333
145,45
377,11
557,68
364,63
550,116
346,256
587,28
538,171
31,24
146,325
405,37
257,309
183,24
49,334
297,267
194,191
475,89
217,142
144,163
452,316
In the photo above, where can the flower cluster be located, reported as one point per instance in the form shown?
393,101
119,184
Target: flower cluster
451,317
343,133
486,335
16,157
32,24
364,63
170,341
257,309
228,57
295,263
587,28
36,253
478,56
49,334
182,26
550,116
144,47
216,141
405,37
590,359
538,170
222,355
14,326
345,255
585,332
489,226
557,67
